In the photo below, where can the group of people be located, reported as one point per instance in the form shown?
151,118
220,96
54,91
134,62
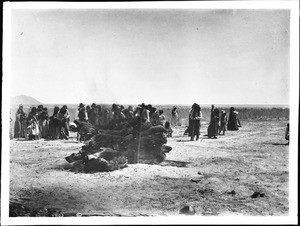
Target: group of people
218,122
38,124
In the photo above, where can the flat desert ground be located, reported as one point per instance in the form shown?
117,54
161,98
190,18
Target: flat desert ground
214,176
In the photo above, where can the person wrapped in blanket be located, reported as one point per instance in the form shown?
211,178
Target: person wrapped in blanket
213,127
194,121
64,120
53,131
82,113
20,123
233,120
43,121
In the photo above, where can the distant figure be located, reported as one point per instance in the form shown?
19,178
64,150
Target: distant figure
287,133
33,124
54,122
43,121
194,119
213,127
143,112
162,117
92,114
88,111
82,113
154,117
117,113
223,122
169,129
128,112
20,123
98,117
131,111
64,120
106,118
174,116
233,121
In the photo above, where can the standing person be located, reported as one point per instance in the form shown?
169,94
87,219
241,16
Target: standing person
54,124
117,113
33,124
106,119
92,114
144,113
88,111
130,112
194,117
233,121
154,116
95,118
64,118
43,121
223,122
82,113
287,133
174,116
162,117
20,123
212,129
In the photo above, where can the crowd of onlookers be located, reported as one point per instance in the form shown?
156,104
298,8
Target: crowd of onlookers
218,122
39,124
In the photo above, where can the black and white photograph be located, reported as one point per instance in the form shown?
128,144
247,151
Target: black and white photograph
150,113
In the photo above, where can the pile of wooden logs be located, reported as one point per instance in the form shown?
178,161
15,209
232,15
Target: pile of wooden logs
131,141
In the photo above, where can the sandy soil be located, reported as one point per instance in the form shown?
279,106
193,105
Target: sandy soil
255,158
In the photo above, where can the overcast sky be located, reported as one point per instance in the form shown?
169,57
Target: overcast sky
158,56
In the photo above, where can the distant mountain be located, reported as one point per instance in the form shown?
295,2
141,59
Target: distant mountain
25,100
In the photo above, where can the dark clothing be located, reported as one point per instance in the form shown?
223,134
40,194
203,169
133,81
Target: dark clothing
64,117
194,123
92,117
43,123
20,124
154,119
233,121
54,126
213,127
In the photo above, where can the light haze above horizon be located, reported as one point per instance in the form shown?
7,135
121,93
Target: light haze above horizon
157,56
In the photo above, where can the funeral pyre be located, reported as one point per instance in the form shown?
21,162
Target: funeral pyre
128,138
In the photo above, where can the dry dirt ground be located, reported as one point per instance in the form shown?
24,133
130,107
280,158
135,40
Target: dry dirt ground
253,159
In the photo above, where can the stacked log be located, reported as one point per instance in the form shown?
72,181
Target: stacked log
131,141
